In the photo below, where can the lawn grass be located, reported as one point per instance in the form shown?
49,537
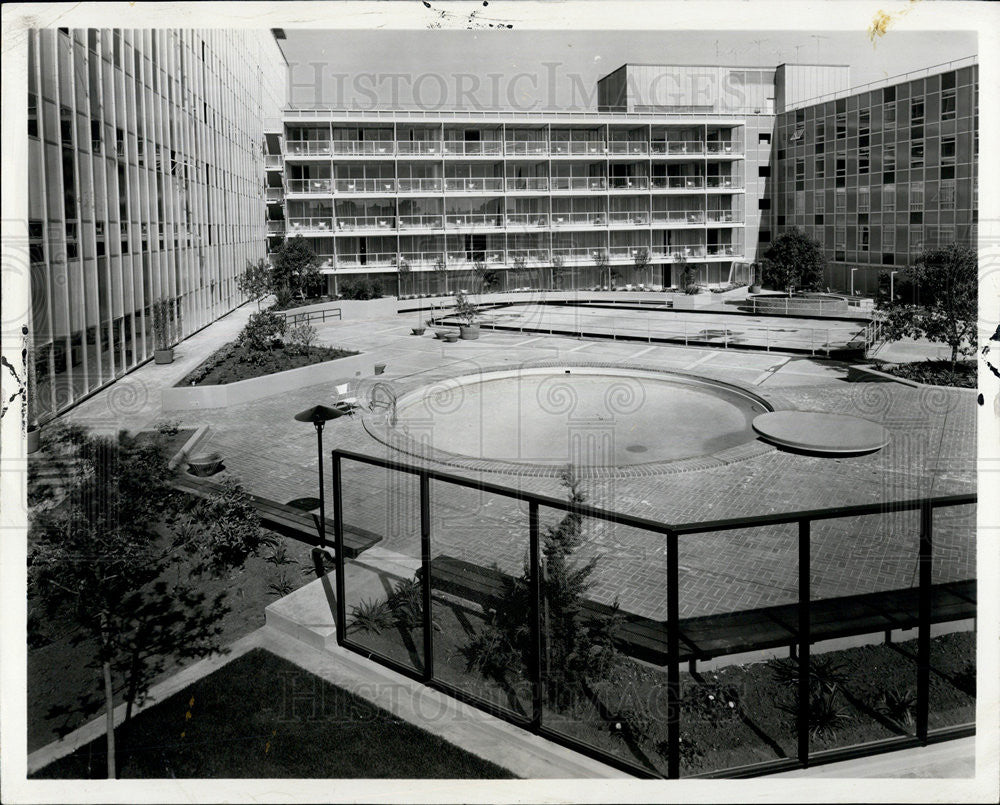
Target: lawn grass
234,362
260,716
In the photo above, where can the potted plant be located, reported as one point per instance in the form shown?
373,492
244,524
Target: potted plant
468,314
754,278
162,351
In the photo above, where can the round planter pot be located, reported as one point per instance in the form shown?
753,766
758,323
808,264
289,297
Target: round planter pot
204,464
450,338
163,355
419,330
754,289
379,368
469,332
33,436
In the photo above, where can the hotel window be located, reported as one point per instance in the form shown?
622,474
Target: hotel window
864,160
889,115
888,197
863,234
841,203
32,115
820,132
764,138
819,168
841,171
917,110
917,154
819,202
889,157
945,235
841,125
947,150
888,238
948,105
916,196
796,136
800,174
840,237
947,194
916,240
864,122
864,199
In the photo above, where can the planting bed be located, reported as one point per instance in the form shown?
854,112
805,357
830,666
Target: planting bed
235,362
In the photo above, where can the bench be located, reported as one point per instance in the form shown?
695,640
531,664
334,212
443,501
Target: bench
709,636
287,520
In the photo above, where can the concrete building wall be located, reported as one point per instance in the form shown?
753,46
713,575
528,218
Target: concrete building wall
146,183
798,83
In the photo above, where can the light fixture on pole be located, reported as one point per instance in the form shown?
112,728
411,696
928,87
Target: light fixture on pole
319,415
852,280
892,285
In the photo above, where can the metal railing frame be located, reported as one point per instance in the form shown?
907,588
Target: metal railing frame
672,533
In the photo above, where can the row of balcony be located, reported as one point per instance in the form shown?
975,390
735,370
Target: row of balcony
497,184
501,221
464,258
515,148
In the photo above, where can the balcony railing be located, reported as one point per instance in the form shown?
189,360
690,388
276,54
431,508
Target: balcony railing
364,148
380,259
474,185
722,182
529,255
723,250
527,219
578,183
577,218
525,148
310,224
348,223
421,258
474,255
567,148
626,252
527,183
365,185
477,148
322,186
274,194
575,254
724,217
468,220
271,161
275,227
420,148
628,147
421,222
671,252
426,185
640,217
302,148
675,147
678,182
723,147
628,183
678,216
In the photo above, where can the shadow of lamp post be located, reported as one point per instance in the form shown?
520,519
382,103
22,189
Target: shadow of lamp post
319,415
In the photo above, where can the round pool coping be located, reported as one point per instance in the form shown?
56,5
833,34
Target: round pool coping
821,433
379,426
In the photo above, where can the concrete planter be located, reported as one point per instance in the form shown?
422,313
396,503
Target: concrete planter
692,301
469,332
205,464
34,432
181,398
163,356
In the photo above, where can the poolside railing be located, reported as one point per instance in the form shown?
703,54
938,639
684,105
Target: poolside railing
439,512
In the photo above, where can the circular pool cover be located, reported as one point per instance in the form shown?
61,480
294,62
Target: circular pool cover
599,419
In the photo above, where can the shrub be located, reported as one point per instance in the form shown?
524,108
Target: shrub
407,604
465,309
262,331
899,706
711,702
826,713
691,290
371,616
361,289
283,297
168,427
302,337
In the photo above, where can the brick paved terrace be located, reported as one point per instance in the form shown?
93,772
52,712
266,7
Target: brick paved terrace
932,452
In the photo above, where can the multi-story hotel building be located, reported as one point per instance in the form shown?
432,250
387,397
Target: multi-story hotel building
146,168
161,161
878,175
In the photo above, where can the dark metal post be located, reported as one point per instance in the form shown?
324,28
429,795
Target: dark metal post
673,661
536,616
322,503
805,562
924,621
338,541
425,563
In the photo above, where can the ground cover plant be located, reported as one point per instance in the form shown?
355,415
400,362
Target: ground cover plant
244,721
961,374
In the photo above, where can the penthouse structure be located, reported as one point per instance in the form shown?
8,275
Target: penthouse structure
146,168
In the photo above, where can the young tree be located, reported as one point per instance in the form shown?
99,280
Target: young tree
100,559
402,274
255,281
640,262
938,300
519,268
296,266
441,274
601,263
557,270
794,260
576,649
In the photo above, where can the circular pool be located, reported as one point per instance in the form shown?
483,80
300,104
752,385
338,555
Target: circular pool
595,418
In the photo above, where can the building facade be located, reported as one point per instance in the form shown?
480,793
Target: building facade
880,175
146,167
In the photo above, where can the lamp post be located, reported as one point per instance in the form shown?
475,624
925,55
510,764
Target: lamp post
319,415
892,285
852,280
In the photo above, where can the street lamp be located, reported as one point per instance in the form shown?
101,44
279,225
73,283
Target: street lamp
319,415
892,285
852,280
